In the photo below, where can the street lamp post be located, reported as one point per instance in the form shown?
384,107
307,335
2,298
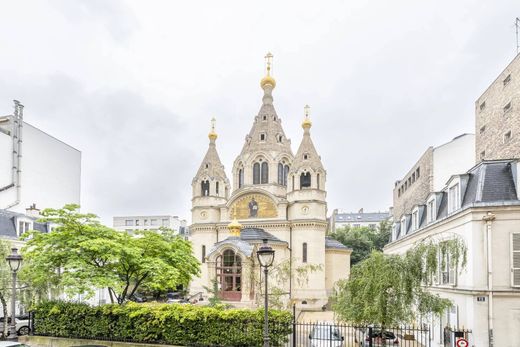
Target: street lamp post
265,257
14,260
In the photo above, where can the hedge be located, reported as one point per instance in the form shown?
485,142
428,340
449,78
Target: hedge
174,324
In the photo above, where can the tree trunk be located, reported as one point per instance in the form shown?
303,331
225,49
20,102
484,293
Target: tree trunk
4,309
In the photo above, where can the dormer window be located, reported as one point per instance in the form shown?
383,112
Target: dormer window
403,226
431,210
415,220
24,226
453,198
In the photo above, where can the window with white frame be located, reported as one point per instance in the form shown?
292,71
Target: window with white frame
23,226
454,198
403,226
431,211
415,220
447,267
129,222
515,259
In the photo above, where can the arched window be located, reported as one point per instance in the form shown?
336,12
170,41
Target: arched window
265,173
240,178
285,174
216,188
304,252
280,173
203,260
256,173
318,180
229,272
305,180
204,188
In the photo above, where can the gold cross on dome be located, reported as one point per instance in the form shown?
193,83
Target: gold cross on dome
307,111
268,61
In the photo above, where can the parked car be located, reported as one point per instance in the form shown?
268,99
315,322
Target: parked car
22,325
176,298
325,335
380,338
12,344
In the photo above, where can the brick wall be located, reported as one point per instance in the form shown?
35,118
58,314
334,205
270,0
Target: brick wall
494,120
411,190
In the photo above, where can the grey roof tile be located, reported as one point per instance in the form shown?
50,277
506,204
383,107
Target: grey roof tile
331,243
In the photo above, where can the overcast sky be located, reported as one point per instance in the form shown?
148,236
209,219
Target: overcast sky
133,85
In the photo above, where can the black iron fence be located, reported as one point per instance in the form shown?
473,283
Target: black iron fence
455,337
345,335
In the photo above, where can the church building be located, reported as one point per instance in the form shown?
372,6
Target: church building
275,196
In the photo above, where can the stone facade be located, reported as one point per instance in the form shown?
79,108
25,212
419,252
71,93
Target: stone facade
275,195
415,186
497,115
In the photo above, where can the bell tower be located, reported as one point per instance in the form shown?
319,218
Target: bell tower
210,186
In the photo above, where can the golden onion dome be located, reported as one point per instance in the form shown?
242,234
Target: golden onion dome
268,80
306,124
212,135
234,227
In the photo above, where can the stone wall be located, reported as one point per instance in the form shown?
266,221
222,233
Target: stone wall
494,120
414,188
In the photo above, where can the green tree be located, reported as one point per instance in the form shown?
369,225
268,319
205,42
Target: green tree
363,240
80,255
391,289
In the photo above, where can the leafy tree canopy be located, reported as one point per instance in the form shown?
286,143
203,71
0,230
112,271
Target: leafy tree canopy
363,240
391,289
81,254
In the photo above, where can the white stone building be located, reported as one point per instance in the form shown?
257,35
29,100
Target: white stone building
36,169
275,195
131,224
482,207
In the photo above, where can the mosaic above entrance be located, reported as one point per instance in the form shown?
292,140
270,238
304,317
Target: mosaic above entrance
254,205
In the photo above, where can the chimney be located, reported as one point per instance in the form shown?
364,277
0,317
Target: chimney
32,211
360,210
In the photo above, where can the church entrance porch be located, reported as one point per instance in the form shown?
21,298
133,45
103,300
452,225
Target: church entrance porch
229,275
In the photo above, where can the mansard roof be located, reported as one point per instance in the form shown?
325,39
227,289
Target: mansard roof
8,221
489,183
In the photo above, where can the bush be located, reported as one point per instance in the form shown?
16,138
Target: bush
174,324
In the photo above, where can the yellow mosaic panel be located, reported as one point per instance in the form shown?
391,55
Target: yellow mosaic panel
254,206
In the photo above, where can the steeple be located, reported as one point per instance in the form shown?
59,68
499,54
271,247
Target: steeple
267,132
266,144
211,179
307,156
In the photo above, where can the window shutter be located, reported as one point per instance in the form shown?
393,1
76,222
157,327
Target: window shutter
515,259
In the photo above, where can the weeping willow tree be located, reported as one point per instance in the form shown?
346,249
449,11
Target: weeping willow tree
389,289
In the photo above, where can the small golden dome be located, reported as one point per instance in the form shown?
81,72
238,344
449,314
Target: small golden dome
268,80
212,135
234,227
306,124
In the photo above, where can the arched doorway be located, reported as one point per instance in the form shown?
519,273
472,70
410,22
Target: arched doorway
229,275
